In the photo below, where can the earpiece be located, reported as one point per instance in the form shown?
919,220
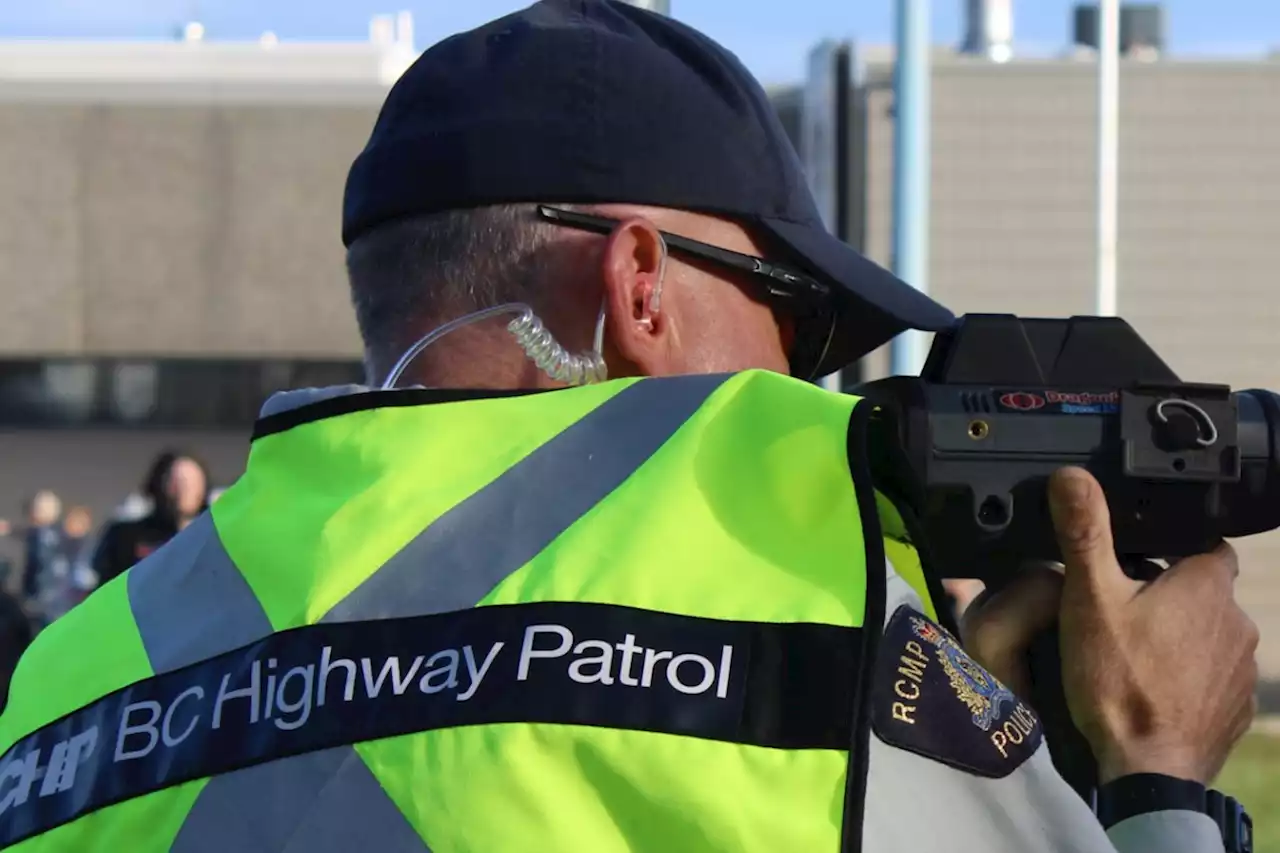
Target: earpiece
553,359
655,299
538,343
532,336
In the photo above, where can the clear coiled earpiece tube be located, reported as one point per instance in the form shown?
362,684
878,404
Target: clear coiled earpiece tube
554,360
532,336
538,343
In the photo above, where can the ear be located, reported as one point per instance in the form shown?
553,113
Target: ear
632,267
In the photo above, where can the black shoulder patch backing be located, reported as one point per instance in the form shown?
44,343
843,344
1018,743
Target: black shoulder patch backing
932,699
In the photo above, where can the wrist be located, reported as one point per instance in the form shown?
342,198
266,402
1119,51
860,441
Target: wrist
1144,793
1116,763
1149,793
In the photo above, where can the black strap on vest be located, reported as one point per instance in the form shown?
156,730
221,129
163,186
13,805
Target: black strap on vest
859,743
307,689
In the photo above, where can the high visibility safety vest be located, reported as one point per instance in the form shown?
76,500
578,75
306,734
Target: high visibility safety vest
622,617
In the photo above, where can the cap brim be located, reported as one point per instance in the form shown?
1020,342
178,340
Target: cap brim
873,305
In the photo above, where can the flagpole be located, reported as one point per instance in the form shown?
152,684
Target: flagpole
1108,154
911,169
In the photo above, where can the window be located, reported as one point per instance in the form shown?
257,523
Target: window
133,391
173,393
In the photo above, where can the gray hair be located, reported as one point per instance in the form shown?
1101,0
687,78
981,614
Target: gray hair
421,271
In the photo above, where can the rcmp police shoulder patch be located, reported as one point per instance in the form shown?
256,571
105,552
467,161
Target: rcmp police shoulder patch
932,699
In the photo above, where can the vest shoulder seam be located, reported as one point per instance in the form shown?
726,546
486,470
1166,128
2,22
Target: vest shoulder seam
347,404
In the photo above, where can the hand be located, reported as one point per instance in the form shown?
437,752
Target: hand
1159,676
998,626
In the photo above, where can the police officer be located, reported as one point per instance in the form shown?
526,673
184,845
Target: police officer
483,611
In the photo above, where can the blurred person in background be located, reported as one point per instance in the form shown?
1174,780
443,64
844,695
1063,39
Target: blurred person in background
177,488
42,540
16,633
76,529
134,506
9,554
69,577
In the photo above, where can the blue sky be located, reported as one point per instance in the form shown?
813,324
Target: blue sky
771,36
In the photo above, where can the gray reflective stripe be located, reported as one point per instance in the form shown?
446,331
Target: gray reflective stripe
459,559
452,565
320,802
191,603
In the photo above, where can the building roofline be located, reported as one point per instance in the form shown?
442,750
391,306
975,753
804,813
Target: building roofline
879,53
193,61
366,93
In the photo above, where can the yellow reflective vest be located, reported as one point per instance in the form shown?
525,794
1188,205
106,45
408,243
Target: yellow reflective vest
623,617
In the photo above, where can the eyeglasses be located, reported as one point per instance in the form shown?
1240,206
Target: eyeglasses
801,296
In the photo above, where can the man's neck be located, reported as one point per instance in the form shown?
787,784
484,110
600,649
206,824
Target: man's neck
478,373
484,356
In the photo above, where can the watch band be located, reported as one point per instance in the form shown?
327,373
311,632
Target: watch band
1143,793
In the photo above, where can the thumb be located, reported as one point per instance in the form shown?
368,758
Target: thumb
1083,525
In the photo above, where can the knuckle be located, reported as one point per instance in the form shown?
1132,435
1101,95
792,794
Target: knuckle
1214,577
1243,724
1084,536
1249,631
1246,716
1218,566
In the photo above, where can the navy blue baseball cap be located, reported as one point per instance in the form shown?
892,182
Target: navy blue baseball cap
596,101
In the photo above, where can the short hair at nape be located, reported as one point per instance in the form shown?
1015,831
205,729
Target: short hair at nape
418,272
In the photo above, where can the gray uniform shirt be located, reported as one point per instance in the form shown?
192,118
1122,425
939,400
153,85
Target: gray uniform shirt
917,803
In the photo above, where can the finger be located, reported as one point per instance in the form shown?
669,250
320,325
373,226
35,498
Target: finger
1083,526
1225,556
989,593
1000,625
1217,569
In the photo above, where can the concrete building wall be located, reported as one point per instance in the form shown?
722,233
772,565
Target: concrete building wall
1013,198
156,228
1013,218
